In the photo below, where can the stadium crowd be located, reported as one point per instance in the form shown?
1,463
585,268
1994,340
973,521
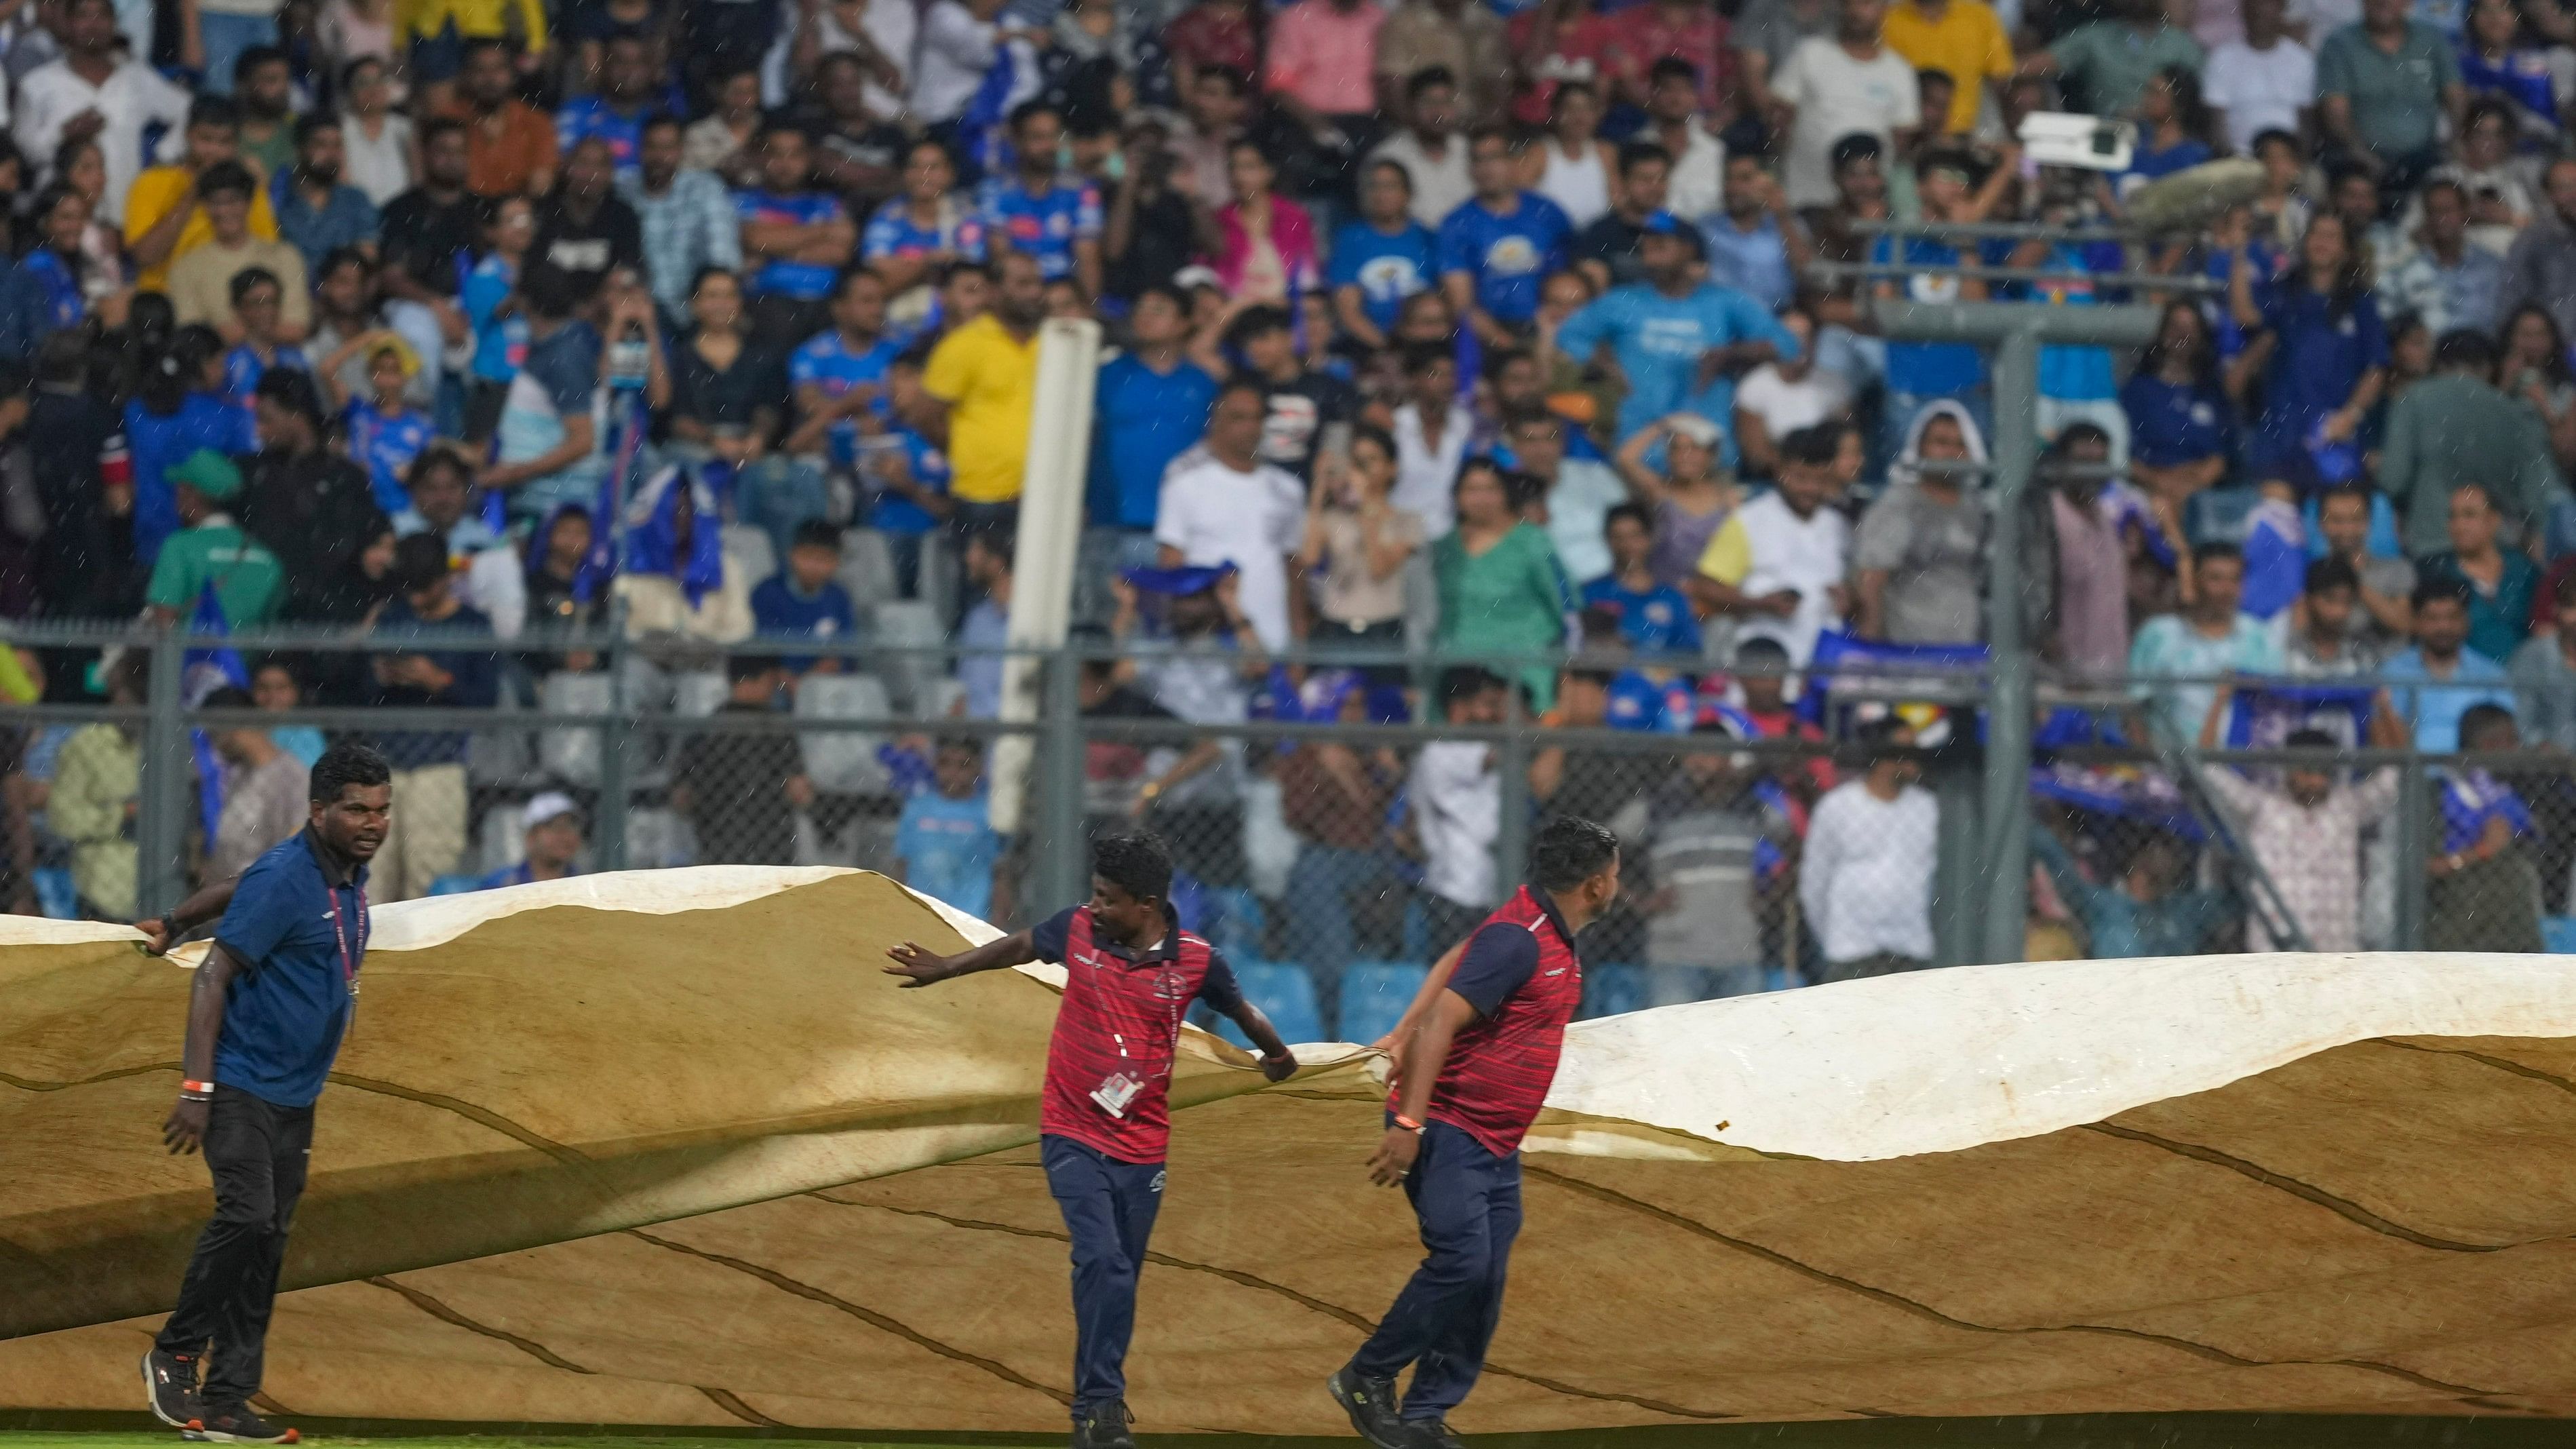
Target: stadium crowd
1440,326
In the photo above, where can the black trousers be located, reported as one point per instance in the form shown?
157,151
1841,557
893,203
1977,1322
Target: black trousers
257,1151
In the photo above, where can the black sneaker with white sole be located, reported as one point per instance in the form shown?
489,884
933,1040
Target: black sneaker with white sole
1104,1426
170,1384
1371,1403
236,1424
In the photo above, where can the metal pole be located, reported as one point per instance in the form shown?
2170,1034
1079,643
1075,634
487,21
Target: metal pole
2007,811
1063,873
2414,816
161,811
616,738
1954,879
1511,841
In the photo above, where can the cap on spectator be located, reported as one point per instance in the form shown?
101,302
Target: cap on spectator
402,352
210,473
1178,583
1700,430
550,806
1191,278
1662,223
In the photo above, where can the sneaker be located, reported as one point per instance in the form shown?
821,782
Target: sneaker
1371,1403
236,1424
1436,1433
1104,1426
170,1384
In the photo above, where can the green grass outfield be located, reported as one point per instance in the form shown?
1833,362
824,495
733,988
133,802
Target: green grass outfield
2092,1431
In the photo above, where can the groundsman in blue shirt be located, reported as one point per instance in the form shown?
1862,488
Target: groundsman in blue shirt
266,1015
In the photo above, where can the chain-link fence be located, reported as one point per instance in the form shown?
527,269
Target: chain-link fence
1333,829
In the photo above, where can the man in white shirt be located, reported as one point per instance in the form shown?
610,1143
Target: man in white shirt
1229,507
1779,562
2307,833
1835,88
2264,82
1580,494
1695,183
1456,797
94,90
960,40
1786,394
1865,877
1430,439
1429,148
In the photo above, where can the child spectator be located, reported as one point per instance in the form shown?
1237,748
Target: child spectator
386,433
500,332
805,600
1654,617
944,842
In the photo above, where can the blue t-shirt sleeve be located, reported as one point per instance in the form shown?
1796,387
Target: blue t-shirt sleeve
1458,241
263,911
1218,988
1344,269
1499,958
1583,331
1048,937
908,843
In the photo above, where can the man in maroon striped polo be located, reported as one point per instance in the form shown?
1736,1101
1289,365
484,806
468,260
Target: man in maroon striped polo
1473,1064
1104,1119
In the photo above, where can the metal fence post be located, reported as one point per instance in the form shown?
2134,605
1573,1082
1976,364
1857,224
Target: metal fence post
1063,874
161,813
616,738
1511,841
2414,817
2006,912
1957,887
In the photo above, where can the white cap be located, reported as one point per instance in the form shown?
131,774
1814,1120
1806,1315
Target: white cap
545,807
1190,278
1700,430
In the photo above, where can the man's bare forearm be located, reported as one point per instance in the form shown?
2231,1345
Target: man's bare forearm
1422,1057
206,1014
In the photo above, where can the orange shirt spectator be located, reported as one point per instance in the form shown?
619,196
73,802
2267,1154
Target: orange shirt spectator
507,150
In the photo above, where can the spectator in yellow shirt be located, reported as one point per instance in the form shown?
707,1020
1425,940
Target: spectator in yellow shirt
165,218
1962,39
982,383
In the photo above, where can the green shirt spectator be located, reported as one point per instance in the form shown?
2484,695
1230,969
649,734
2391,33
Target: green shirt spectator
2109,62
2384,84
1502,590
212,549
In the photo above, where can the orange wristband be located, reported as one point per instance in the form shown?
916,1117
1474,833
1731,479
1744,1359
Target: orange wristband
1408,1124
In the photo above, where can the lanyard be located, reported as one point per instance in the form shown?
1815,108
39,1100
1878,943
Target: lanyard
348,963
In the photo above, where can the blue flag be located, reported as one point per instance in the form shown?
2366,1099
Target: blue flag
1878,668
204,671
2266,715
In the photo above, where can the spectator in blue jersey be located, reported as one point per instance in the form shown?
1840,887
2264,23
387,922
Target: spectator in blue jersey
1653,616
839,376
2329,351
178,408
1152,406
2173,128
944,842
805,600
796,239
49,288
550,840
318,213
550,434
1034,208
1680,342
2484,894
508,226
259,306
907,477
2076,383
1500,244
617,113
916,235
1381,258
386,433
2182,427
1755,244
2496,64
1923,372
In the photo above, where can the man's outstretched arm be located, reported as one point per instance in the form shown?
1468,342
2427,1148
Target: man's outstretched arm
206,905
918,966
1277,1062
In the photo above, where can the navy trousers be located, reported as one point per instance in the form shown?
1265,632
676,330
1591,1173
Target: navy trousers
1108,1208
1469,1204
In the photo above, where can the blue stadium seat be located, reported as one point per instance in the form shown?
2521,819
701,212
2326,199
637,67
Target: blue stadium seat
1285,994
1374,996
2558,935
1611,989
56,896
455,885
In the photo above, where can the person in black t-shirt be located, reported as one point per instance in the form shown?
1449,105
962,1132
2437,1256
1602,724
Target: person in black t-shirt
1301,402
739,789
584,227
429,232
1607,250
1153,228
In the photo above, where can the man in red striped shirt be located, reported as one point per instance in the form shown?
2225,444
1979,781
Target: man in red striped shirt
1104,1118
1474,1059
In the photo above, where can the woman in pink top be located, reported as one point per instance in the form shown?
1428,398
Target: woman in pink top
1268,241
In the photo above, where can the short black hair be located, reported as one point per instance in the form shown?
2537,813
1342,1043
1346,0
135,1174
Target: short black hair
1027,111
1764,648
1570,850
1812,447
1135,861
227,177
2275,136
291,388
252,57
343,765
1423,356
1465,682
1638,153
231,696
214,111
2465,347
817,533
662,121
739,667
311,122
2081,432
996,539
2202,554
1426,78
2329,573
1257,322
2310,739
1635,513
420,560
249,277
1858,146
2434,591
548,290
2477,719
1671,67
